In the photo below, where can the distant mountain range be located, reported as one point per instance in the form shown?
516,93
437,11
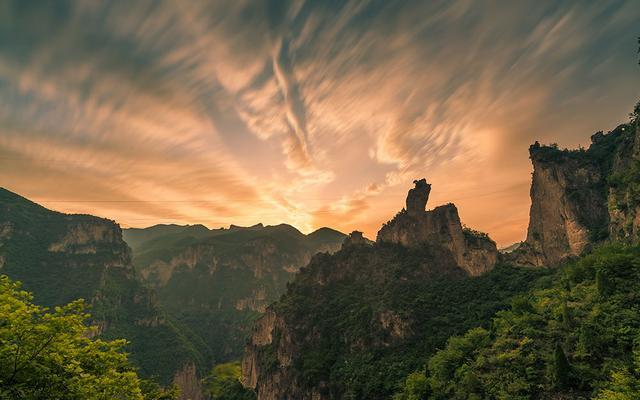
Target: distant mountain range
215,282
186,298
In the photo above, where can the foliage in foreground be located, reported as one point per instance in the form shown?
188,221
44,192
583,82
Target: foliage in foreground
48,354
223,383
579,337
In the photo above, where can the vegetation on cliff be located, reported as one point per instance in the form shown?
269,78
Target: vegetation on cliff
223,383
214,283
362,319
48,354
576,335
61,258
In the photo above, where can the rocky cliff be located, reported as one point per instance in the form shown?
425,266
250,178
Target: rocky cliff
62,257
217,281
580,198
414,227
367,305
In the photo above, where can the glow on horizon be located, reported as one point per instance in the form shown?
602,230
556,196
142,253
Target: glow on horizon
240,112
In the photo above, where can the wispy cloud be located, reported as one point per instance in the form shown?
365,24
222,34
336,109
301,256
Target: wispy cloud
301,111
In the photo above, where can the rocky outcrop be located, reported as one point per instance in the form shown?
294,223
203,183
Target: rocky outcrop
624,188
474,252
418,197
61,258
580,198
217,281
188,380
339,303
355,238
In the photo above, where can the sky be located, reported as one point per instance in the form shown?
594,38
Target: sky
312,113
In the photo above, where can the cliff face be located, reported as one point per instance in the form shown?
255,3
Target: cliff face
624,189
61,258
582,197
415,227
351,304
217,281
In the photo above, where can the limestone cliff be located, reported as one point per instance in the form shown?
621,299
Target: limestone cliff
624,188
217,281
582,197
415,227
61,258
354,302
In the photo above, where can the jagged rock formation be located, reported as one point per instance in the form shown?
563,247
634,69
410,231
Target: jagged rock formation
418,197
474,252
351,303
215,282
582,197
61,258
355,238
189,382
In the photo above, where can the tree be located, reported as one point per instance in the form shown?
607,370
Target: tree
561,367
223,383
48,354
416,387
566,314
601,282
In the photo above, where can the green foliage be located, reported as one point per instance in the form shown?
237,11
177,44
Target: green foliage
223,383
624,384
248,266
48,354
473,236
151,390
635,114
627,186
415,387
338,324
560,367
565,341
98,270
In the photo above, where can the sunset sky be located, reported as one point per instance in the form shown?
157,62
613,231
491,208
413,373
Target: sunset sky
312,113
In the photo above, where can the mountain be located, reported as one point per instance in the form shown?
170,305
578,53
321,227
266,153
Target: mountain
216,282
354,323
580,198
61,258
575,336
378,321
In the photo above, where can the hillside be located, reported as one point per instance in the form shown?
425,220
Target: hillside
364,322
353,324
61,258
216,282
580,198
574,337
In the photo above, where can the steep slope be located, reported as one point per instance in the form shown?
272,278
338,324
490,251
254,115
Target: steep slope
216,282
352,324
583,197
62,257
573,337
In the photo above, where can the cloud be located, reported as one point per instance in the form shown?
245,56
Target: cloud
302,111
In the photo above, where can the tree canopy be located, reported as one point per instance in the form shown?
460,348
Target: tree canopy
52,354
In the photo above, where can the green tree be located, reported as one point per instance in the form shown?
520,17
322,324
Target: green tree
601,283
223,383
415,387
48,354
561,367
566,314
151,390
